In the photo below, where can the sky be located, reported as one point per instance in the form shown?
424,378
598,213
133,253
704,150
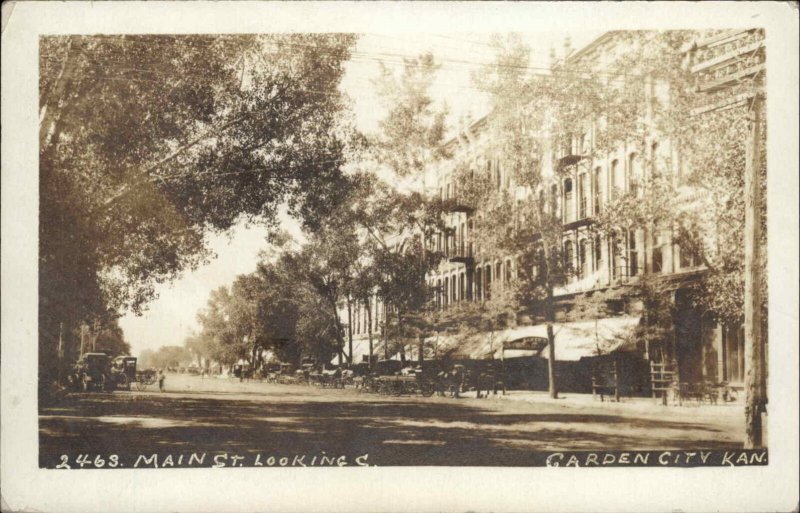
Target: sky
172,317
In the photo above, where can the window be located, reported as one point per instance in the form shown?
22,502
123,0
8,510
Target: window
633,258
733,347
688,257
655,168
615,179
569,255
583,258
584,195
617,269
470,245
553,208
658,255
598,252
508,271
478,284
633,171
568,210
462,281
598,190
453,289
488,278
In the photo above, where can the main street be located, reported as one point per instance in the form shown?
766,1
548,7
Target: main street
211,415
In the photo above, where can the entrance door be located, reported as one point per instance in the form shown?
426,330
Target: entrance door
688,339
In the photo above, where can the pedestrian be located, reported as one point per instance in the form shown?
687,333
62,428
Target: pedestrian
161,380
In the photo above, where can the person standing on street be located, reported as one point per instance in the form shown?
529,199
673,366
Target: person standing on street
161,380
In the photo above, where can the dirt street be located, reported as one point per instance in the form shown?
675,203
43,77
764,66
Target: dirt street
223,415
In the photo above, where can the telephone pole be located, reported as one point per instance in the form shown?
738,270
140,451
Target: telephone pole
731,58
754,346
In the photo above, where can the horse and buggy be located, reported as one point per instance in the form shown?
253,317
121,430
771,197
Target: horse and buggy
99,372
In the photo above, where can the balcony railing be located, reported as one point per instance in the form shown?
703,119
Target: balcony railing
462,253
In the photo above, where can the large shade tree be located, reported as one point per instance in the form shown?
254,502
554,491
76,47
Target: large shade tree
148,142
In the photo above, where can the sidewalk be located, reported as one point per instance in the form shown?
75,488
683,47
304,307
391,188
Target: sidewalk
627,404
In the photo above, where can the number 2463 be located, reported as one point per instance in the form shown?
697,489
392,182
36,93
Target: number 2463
85,460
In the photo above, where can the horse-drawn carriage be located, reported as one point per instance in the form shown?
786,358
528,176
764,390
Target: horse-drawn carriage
98,372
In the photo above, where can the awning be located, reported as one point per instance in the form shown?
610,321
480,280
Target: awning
573,340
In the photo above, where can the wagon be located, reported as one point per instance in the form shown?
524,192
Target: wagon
91,372
404,385
123,372
145,378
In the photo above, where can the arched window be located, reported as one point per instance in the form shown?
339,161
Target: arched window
439,292
508,271
461,241
462,289
446,291
478,284
615,179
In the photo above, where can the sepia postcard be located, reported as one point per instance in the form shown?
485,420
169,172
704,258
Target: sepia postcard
494,256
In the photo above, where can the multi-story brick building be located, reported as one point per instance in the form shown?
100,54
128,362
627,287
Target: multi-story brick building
579,182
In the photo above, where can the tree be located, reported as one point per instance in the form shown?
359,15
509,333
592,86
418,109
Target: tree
111,340
221,127
412,131
529,230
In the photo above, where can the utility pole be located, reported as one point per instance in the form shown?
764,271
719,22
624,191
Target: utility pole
753,349
741,52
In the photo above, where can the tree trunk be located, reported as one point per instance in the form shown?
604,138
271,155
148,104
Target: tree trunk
368,307
350,329
551,348
551,356
753,349
400,339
